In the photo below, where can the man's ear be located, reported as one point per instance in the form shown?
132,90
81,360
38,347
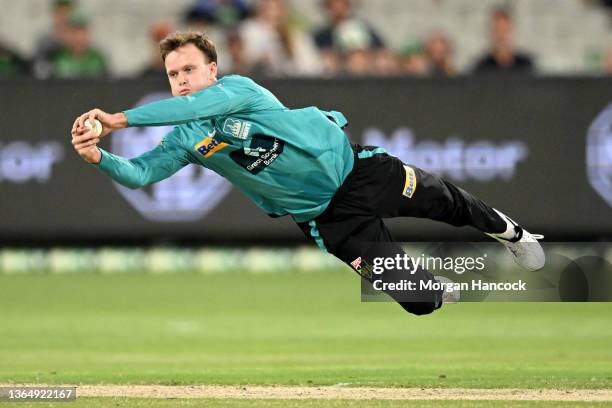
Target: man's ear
213,69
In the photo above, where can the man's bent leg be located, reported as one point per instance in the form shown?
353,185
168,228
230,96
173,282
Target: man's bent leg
389,188
357,241
416,301
404,190
441,200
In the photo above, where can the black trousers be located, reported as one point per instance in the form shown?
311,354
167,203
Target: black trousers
381,186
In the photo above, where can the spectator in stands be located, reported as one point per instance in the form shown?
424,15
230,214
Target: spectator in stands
413,60
439,51
358,62
354,55
226,13
215,17
503,58
235,47
386,63
607,62
343,26
11,64
275,46
352,50
61,10
156,67
76,58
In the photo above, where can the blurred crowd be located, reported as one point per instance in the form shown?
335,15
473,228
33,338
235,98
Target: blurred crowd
264,38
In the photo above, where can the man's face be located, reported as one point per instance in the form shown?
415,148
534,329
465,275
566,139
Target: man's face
338,9
438,48
271,11
189,70
501,30
77,39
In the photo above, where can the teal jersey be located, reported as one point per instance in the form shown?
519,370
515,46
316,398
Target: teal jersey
288,161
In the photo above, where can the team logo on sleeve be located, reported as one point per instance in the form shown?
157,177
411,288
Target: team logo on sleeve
209,146
411,182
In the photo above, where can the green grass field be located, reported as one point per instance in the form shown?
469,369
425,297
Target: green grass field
291,328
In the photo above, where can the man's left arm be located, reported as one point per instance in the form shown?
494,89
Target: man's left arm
153,166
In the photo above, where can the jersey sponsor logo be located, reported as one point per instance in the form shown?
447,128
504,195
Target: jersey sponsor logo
187,196
209,146
236,128
262,152
599,154
411,182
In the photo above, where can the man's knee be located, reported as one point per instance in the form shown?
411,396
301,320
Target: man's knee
420,308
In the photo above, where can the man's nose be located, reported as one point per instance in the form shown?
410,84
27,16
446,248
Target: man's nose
182,79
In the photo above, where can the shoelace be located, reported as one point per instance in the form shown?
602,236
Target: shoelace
538,237
520,235
519,230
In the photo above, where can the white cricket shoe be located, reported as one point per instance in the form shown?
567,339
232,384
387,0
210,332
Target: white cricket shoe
524,247
452,296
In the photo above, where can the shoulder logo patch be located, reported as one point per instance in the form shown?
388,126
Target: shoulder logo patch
236,128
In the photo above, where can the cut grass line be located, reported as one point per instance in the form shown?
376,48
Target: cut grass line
337,392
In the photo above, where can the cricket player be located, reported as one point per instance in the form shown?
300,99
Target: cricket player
295,162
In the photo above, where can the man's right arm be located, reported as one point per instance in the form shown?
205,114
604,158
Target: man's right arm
216,100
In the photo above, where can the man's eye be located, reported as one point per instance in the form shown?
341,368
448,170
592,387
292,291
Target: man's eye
188,70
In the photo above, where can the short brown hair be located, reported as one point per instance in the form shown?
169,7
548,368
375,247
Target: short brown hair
181,38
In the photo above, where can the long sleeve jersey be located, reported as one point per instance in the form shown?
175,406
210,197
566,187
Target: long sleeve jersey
288,161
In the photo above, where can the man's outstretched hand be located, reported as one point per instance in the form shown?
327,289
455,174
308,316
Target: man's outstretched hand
83,138
110,121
